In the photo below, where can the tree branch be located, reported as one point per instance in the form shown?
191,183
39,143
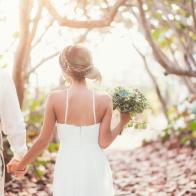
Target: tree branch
178,33
81,39
42,35
193,13
190,85
36,21
63,21
41,62
164,61
154,81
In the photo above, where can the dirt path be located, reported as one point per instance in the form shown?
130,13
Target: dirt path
147,171
154,171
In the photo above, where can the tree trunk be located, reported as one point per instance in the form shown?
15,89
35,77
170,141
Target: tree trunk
24,46
22,51
156,86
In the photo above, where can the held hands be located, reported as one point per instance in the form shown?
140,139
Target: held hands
14,167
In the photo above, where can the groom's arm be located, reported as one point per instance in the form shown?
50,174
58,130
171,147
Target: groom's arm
11,118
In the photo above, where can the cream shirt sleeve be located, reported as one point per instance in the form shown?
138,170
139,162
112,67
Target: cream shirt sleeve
11,117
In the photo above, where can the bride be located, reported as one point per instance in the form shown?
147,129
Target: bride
83,120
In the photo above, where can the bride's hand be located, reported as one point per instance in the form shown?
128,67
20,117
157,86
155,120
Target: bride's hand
20,172
124,118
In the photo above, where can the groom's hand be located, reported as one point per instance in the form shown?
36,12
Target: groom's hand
12,167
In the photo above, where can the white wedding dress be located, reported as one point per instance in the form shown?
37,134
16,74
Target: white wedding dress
81,168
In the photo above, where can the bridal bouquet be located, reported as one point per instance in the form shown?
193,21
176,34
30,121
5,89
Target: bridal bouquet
130,101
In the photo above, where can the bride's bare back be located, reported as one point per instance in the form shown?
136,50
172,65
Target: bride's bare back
80,109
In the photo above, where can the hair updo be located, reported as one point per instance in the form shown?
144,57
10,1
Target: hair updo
77,62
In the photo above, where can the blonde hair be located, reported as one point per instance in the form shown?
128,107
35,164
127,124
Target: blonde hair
77,62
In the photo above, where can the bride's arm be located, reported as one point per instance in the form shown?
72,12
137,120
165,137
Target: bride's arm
106,134
44,136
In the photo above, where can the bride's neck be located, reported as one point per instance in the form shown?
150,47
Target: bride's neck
75,84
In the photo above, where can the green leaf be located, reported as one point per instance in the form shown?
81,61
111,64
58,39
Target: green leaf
158,15
130,124
39,173
136,126
53,147
185,140
192,125
192,35
158,33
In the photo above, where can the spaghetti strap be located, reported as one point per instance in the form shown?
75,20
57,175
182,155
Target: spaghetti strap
94,113
66,106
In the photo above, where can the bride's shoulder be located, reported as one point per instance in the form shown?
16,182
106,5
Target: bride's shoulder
104,98
55,97
56,94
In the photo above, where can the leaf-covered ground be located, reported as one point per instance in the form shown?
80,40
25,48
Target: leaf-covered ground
153,170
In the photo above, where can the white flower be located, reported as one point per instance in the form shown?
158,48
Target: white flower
180,124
